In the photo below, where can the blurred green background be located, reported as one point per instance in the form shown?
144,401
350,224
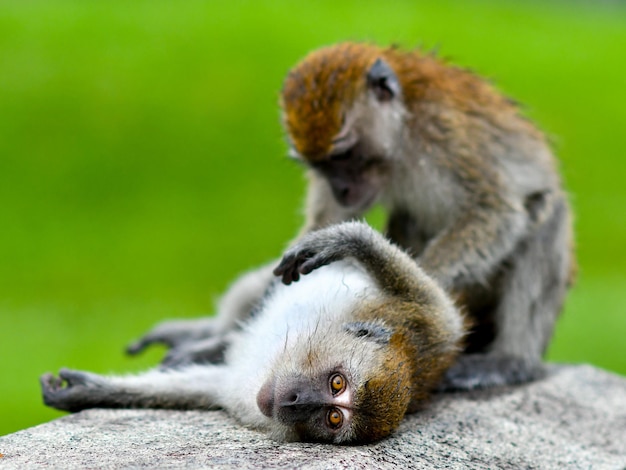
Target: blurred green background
142,163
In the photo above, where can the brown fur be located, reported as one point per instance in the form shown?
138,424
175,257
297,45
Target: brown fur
312,114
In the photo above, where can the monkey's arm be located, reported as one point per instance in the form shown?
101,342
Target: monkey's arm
194,387
394,270
350,239
204,339
467,252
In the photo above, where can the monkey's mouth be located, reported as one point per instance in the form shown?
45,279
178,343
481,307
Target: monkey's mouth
356,198
265,398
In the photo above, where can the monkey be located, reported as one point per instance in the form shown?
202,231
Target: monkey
470,187
338,356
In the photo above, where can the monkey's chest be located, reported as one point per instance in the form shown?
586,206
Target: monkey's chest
427,196
326,296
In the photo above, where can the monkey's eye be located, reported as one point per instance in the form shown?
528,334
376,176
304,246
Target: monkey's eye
334,418
337,383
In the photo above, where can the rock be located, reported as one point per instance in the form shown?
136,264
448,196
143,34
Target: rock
575,418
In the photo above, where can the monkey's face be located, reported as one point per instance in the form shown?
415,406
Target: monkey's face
354,177
314,408
339,387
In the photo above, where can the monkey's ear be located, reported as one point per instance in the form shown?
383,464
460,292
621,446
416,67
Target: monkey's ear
383,81
377,332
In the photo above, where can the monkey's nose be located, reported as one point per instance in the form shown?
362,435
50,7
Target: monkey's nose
265,398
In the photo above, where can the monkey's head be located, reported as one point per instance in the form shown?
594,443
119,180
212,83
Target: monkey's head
343,112
346,385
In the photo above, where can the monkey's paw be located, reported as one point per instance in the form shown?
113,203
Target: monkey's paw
71,390
210,350
302,259
324,246
174,333
479,371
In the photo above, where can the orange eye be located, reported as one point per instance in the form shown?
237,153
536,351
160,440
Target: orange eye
334,418
337,383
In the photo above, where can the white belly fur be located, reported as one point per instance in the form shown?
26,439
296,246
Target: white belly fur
291,312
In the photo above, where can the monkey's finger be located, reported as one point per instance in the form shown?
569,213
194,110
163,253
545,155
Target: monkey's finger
288,269
279,270
291,275
49,382
141,344
285,264
137,346
51,387
312,264
73,377
147,340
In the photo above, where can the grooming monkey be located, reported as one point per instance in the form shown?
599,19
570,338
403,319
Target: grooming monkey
338,357
469,185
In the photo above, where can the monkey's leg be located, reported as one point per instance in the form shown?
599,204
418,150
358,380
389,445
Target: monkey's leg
532,296
172,333
194,387
468,251
236,304
475,371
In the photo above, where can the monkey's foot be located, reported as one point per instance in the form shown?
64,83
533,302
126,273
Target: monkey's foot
475,371
210,350
174,333
71,391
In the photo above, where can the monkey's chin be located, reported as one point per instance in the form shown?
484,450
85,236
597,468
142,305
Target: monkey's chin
265,398
360,203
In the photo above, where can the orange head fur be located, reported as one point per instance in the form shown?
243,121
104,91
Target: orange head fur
318,90
384,399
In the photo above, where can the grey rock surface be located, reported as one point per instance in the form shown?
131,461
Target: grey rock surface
575,418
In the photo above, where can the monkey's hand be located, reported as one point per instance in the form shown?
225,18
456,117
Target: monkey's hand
72,391
320,248
174,333
477,371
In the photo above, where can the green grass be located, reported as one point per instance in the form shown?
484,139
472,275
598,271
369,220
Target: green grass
142,161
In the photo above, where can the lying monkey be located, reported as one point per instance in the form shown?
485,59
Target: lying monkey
338,357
